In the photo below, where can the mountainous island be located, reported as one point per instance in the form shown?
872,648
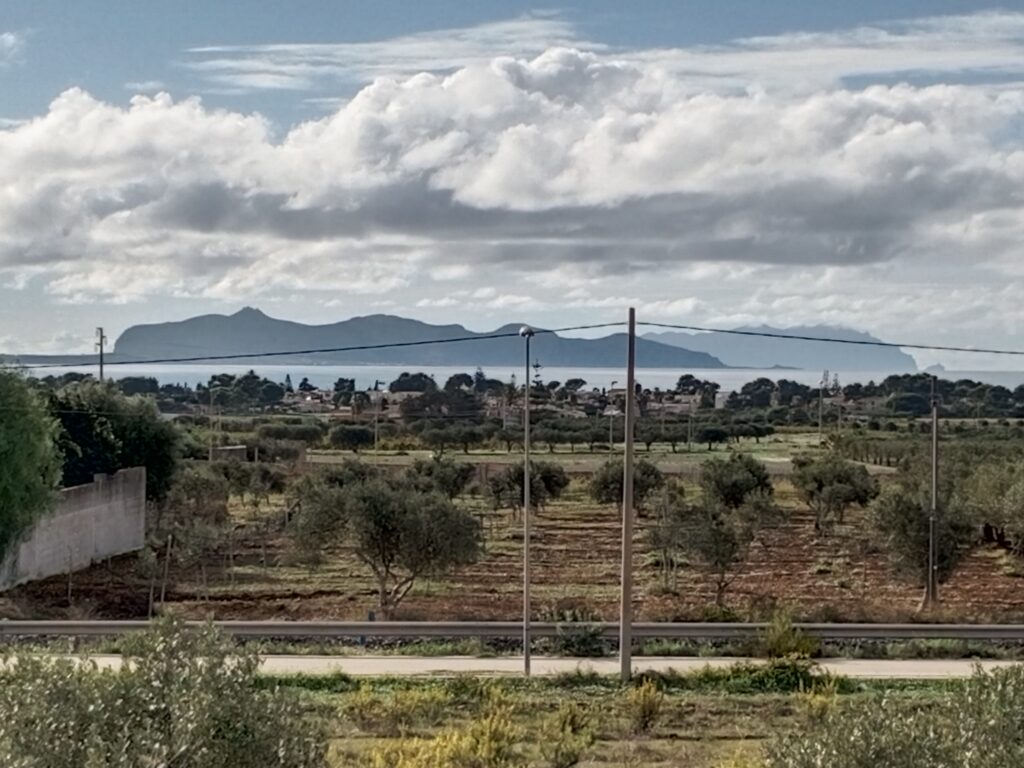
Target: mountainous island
766,352
250,331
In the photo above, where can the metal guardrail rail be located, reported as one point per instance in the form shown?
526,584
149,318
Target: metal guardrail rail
513,629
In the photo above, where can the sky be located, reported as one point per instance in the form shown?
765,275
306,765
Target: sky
721,163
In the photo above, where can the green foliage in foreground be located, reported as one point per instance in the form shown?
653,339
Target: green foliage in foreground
29,462
980,724
186,699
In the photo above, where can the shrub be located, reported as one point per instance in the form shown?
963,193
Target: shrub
977,723
566,736
182,693
578,634
490,741
863,736
780,639
397,712
788,675
311,434
643,706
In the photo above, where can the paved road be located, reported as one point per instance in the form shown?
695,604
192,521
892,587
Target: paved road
376,666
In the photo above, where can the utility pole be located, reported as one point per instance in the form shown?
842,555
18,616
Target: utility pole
626,607
821,404
611,420
527,333
101,340
376,415
210,423
932,593
689,426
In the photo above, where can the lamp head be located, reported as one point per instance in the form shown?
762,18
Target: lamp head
526,331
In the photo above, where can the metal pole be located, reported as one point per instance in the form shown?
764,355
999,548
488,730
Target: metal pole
526,332
611,419
626,607
821,408
932,595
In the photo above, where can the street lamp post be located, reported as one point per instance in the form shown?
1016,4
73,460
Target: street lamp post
527,333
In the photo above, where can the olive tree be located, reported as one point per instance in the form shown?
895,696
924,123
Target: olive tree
665,533
351,437
440,474
400,533
547,481
734,480
993,495
606,482
29,461
403,535
830,485
735,505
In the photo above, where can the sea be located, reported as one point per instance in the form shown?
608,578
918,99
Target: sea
324,376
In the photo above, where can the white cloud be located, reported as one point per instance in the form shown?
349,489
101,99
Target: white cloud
302,66
986,45
12,44
145,86
572,181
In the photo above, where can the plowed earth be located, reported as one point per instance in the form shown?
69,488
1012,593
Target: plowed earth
576,558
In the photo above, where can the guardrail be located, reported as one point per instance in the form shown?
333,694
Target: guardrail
513,629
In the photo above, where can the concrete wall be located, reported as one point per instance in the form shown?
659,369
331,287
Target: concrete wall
90,523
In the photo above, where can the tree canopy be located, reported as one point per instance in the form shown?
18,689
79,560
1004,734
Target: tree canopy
102,431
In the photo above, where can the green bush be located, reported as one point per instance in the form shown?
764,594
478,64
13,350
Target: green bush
185,698
776,676
979,723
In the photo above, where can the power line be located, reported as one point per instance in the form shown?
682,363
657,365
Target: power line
832,340
353,348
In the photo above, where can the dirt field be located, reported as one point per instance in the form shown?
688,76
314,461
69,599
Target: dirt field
575,566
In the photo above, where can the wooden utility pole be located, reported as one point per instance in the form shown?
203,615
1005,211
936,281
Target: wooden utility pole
626,606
